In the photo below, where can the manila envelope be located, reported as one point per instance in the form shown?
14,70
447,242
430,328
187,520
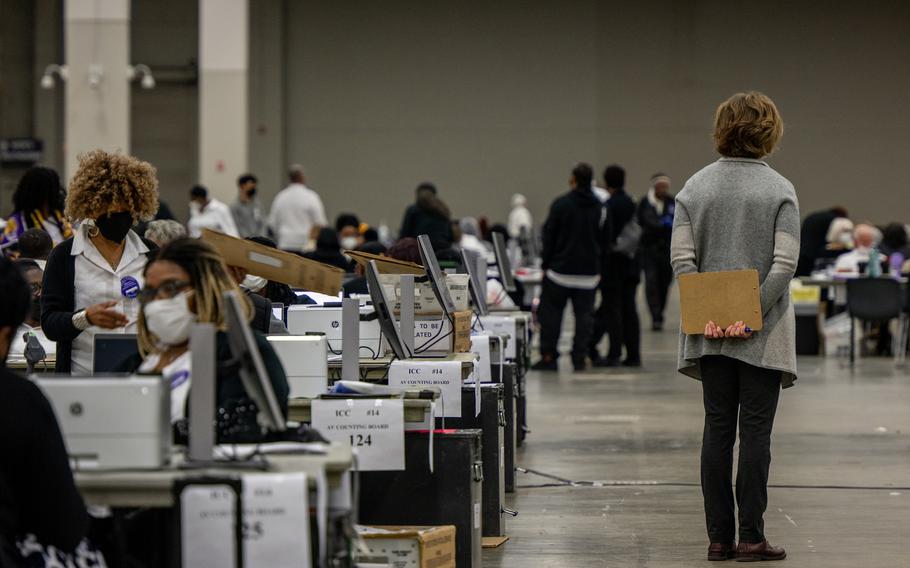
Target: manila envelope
273,264
722,297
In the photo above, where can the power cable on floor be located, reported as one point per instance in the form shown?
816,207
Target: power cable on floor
563,482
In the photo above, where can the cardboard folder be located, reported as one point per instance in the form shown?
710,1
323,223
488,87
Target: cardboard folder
277,265
722,297
385,264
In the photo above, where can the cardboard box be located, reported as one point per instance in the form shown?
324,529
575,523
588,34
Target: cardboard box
427,330
462,341
412,547
386,265
425,302
273,264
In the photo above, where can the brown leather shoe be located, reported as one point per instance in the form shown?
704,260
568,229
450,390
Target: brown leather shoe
721,551
759,551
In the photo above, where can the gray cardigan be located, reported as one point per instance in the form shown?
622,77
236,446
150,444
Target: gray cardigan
734,214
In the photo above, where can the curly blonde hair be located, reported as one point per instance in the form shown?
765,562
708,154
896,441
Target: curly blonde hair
109,180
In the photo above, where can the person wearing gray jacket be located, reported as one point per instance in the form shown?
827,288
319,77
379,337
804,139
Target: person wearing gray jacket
738,213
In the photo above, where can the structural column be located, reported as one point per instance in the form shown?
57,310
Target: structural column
97,102
223,106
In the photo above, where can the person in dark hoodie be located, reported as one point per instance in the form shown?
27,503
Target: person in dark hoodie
576,237
428,216
618,314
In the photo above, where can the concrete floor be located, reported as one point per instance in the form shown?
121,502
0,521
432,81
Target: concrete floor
840,473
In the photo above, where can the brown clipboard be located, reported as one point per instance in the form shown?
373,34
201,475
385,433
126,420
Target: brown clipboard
722,297
277,265
386,265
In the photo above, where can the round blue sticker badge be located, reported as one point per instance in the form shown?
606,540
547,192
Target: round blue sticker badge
129,287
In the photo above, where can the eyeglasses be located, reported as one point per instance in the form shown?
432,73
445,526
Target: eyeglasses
36,289
165,292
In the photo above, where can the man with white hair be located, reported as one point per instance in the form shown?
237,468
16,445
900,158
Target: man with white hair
297,213
865,237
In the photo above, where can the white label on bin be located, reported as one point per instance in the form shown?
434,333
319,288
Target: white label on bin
208,517
276,520
373,427
445,375
506,325
480,346
476,515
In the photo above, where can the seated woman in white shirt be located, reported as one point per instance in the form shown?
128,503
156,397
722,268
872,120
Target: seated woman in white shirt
185,284
92,281
32,325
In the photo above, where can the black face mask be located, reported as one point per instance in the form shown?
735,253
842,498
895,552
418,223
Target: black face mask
251,192
115,226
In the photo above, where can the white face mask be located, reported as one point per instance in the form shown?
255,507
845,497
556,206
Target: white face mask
170,320
254,283
845,239
349,243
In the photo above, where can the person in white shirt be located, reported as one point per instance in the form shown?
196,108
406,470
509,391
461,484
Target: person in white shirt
519,217
92,281
864,238
297,213
33,275
209,213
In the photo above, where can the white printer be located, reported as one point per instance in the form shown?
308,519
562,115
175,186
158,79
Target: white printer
305,362
308,319
112,423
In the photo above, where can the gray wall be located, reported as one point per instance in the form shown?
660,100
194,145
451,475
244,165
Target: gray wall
164,129
491,98
487,99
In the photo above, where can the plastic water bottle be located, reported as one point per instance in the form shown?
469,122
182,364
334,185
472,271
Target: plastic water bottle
875,263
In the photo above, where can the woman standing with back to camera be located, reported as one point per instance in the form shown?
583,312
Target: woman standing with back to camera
734,214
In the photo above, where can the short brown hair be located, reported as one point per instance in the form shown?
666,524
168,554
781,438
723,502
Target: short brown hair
107,179
747,125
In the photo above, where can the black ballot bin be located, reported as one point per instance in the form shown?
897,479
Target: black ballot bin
510,430
450,495
490,421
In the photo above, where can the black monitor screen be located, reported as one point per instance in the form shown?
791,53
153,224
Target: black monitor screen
435,275
502,261
115,353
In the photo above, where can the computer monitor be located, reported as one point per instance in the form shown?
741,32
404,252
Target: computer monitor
112,352
435,275
278,312
476,287
253,374
502,261
384,313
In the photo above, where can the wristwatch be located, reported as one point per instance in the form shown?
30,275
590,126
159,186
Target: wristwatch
80,321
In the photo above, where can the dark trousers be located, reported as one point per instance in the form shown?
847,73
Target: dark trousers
658,277
553,298
734,388
618,317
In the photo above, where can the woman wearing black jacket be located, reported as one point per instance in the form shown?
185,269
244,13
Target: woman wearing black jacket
428,216
92,281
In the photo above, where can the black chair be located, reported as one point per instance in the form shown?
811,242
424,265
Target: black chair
904,328
876,300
